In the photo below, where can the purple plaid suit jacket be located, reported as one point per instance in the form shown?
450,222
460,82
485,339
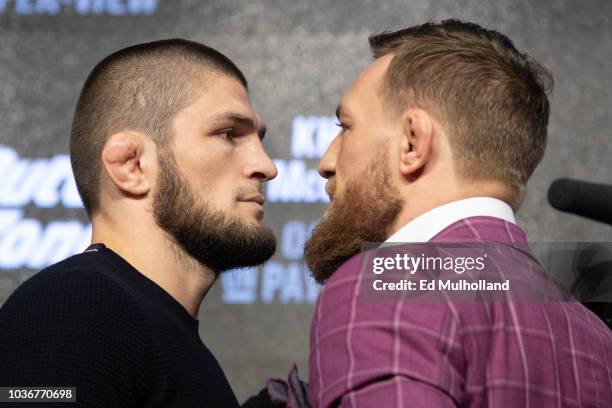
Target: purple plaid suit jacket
465,354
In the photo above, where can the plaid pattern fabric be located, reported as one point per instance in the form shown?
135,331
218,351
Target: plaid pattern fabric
456,354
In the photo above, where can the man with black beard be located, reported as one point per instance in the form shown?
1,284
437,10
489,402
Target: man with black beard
168,159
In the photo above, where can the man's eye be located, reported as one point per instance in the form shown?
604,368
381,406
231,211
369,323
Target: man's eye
228,134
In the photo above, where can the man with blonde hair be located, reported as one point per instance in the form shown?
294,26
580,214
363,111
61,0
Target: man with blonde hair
439,136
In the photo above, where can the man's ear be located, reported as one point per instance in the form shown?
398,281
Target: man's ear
416,141
123,160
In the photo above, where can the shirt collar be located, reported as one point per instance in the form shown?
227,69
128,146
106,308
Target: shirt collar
427,225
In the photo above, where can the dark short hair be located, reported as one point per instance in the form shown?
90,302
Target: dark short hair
491,97
138,88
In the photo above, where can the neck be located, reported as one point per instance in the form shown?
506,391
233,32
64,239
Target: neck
157,256
419,202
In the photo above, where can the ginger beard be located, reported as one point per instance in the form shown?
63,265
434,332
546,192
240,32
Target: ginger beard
215,239
362,214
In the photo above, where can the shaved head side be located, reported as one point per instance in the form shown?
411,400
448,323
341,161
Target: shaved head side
139,88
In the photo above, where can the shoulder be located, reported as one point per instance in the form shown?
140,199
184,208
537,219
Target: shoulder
80,278
72,294
72,324
345,297
357,340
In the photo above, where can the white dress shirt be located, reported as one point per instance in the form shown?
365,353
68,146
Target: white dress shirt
427,225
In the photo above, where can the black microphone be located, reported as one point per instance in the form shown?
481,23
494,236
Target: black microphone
590,200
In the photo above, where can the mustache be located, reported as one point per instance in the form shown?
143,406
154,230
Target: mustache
246,192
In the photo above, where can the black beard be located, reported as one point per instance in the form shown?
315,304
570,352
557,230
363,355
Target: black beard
214,239
363,214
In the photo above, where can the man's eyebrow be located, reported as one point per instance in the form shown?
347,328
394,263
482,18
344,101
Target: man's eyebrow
241,119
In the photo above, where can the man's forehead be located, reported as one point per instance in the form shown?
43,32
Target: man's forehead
377,69
372,74
218,86
367,83
214,102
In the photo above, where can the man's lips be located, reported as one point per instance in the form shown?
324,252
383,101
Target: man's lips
329,189
259,199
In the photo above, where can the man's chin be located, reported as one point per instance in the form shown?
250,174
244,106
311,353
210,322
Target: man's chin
251,221
249,212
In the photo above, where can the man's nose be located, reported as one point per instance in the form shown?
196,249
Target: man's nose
327,165
262,166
